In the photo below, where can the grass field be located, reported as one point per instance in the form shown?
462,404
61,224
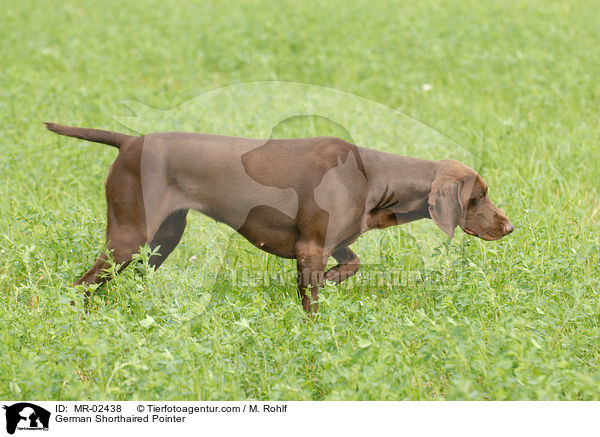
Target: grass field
515,83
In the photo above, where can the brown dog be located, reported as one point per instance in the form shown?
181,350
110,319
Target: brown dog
304,198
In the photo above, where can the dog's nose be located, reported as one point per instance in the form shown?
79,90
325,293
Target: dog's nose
508,228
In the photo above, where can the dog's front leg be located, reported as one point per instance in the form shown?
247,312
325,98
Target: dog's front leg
311,261
348,264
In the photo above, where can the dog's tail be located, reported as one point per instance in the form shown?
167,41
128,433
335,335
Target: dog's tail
96,135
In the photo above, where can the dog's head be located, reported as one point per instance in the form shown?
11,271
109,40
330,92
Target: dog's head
459,197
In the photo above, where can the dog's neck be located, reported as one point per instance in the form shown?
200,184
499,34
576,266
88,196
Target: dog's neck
391,200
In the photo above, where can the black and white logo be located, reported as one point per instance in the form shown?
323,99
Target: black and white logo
26,416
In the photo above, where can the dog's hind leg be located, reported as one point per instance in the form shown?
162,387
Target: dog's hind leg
126,219
122,245
94,274
168,236
125,241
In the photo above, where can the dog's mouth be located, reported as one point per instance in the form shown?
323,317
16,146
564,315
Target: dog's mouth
486,236
470,232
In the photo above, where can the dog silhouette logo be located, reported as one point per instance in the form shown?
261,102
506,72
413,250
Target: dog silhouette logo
26,416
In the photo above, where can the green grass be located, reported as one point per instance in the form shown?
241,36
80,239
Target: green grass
514,82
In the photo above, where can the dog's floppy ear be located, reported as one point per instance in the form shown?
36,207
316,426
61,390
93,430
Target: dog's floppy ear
447,202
